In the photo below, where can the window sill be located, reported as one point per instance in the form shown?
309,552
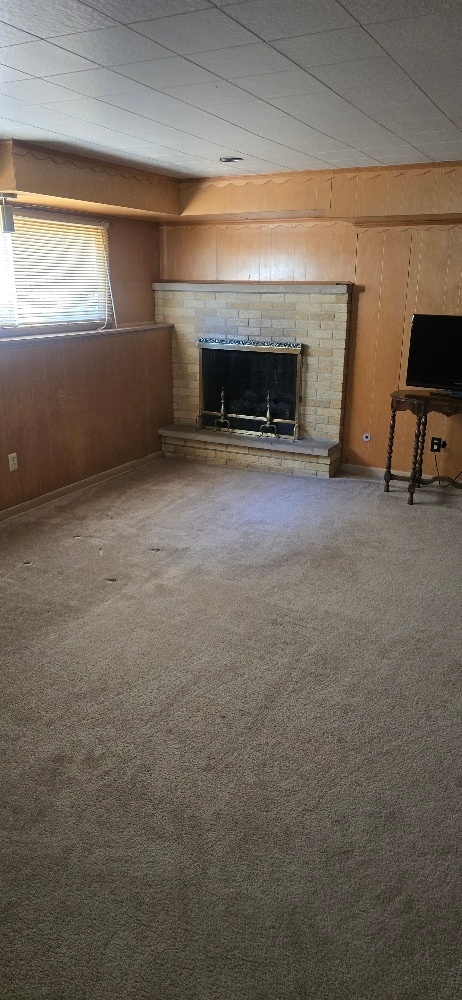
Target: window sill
18,339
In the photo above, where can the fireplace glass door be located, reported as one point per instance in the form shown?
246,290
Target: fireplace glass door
247,388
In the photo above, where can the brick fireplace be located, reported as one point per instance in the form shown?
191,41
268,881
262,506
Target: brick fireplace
314,316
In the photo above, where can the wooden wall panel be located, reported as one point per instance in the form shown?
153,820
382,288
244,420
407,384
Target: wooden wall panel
135,265
74,408
375,350
435,287
276,251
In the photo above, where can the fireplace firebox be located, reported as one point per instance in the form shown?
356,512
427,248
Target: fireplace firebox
249,387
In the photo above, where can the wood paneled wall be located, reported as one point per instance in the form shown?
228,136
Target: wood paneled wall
134,264
397,270
74,408
428,189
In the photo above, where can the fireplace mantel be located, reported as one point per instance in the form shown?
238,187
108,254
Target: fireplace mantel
313,314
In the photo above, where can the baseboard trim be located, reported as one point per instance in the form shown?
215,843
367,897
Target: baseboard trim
78,487
365,471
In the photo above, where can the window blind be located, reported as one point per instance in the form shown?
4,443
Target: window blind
54,273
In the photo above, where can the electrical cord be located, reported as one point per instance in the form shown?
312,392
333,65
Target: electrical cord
445,485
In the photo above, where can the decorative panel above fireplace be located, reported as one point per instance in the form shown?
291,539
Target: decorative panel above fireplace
249,387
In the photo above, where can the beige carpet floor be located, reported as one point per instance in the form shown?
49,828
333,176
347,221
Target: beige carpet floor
231,741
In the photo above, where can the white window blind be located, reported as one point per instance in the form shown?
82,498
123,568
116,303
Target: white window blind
54,273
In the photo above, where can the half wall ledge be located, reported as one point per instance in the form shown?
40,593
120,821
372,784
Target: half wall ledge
302,457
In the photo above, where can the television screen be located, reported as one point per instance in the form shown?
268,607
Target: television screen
435,353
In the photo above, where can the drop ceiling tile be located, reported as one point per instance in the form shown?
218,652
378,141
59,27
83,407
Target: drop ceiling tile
352,160
387,160
256,114
13,36
96,83
7,74
442,150
370,11
364,135
196,32
140,10
33,91
53,17
243,60
42,59
327,47
190,145
329,106
288,83
9,105
445,93
151,104
415,136
418,112
210,96
100,113
271,19
369,77
414,36
160,73
393,148
109,46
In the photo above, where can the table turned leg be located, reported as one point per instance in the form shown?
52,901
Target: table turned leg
423,432
415,453
391,438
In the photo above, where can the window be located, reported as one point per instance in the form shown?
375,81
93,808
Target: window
54,274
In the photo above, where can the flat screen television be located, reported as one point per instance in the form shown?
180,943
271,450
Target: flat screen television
435,353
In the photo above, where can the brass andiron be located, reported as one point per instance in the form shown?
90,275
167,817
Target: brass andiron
222,423
268,427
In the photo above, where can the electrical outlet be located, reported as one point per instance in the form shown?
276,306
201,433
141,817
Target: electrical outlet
437,444
13,461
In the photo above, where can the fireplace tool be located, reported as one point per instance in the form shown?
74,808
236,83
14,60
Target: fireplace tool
222,423
268,427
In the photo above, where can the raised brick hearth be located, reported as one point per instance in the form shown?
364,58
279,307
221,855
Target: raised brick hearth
314,315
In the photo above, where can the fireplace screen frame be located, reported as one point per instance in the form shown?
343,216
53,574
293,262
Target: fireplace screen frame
222,417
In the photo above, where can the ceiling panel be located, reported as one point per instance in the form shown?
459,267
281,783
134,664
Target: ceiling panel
97,83
53,17
330,47
13,36
196,32
140,10
161,73
178,83
210,96
7,74
42,59
271,19
367,77
410,38
370,11
243,60
109,46
100,113
315,108
34,91
286,84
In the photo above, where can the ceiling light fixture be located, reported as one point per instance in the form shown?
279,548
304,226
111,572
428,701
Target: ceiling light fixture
231,159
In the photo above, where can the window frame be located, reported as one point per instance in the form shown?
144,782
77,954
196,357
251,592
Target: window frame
37,330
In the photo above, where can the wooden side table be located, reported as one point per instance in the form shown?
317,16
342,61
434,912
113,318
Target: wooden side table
420,404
